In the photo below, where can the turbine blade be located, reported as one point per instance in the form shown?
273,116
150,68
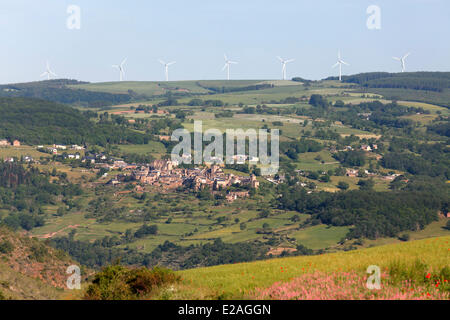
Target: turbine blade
225,66
406,55
335,65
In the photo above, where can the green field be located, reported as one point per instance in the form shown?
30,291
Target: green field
155,88
148,88
239,280
153,147
320,237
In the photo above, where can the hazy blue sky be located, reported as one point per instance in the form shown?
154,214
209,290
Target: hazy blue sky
197,33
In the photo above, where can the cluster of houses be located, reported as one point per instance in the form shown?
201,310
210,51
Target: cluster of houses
368,148
6,143
167,175
364,147
27,159
58,147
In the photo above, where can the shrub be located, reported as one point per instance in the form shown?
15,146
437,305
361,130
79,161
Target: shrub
404,237
116,282
38,252
142,281
343,185
447,226
6,247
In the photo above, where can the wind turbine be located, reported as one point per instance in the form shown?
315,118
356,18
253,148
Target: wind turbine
402,61
121,68
284,63
48,72
339,63
227,65
166,67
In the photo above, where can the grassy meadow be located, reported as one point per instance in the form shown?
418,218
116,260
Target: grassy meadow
240,280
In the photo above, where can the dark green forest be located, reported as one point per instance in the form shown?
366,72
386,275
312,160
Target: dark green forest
57,91
23,192
429,81
35,121
371,214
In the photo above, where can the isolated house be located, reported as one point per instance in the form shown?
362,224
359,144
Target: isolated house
366,147
16,143
4,143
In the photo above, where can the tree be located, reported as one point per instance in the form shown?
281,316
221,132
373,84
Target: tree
264,213
404,237
318,100
366,184
447,226
343,185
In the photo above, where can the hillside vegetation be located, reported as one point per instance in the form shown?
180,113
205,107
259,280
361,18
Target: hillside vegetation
29,269
432,87
59,91
241,280
414,270
41,122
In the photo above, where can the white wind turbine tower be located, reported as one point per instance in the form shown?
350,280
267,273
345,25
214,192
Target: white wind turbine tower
339,63
402,61
284,63
48,72
166,67
121,69
227,65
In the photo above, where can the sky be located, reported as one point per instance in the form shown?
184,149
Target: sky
197,33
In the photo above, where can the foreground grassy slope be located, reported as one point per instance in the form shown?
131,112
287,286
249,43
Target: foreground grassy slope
236,281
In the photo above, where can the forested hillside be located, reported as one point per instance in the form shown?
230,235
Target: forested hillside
430,81
57,91
35,121
429,87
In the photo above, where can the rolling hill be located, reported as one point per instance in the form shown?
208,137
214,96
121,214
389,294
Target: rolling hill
240,280
407,271
430,87
60,91
155,88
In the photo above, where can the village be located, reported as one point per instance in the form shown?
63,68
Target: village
166,175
